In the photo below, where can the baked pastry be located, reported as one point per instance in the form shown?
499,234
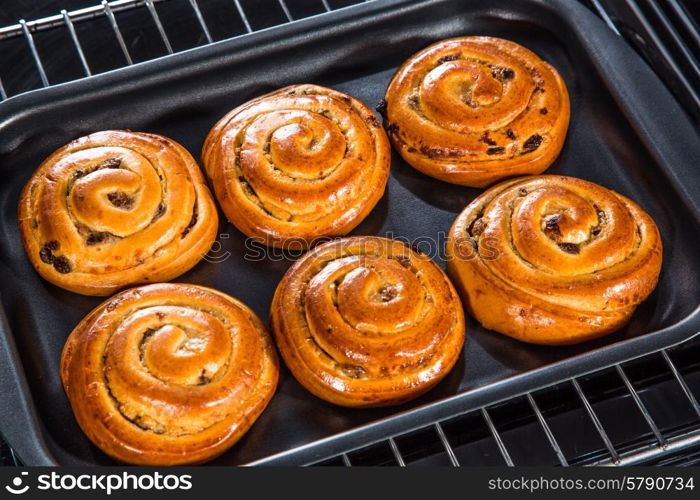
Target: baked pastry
553,259
366,321
116,208
477,109
301,163
168,374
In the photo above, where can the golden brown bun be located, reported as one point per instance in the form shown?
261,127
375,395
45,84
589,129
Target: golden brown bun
553,259
116,208
366,321
298,164
477,109
168,374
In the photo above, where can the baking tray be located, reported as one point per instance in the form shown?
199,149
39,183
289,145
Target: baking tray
626,133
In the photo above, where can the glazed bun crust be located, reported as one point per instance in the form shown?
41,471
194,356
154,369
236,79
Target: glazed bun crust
366,321
474,110
553,259
168,374
298,164
116,208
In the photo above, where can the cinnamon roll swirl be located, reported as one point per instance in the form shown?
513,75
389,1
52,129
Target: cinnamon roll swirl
168,374
366,321
553,259
116,208
477,109
300,163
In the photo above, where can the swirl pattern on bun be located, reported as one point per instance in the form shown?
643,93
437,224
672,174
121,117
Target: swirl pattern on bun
474,110
168,374
297,164
116,208
553,259
366,321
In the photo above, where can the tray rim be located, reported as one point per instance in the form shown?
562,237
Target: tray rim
30,443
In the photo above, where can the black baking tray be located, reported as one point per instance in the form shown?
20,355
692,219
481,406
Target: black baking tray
626,133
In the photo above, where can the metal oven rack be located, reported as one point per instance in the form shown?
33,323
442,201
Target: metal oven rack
578,420
68,21
666,33
616,416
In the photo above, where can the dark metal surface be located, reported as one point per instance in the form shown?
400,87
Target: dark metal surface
607,125
7,456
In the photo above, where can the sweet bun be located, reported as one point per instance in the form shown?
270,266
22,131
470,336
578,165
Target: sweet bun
116,208
552,259
477,109
168,374
298,164
367,321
